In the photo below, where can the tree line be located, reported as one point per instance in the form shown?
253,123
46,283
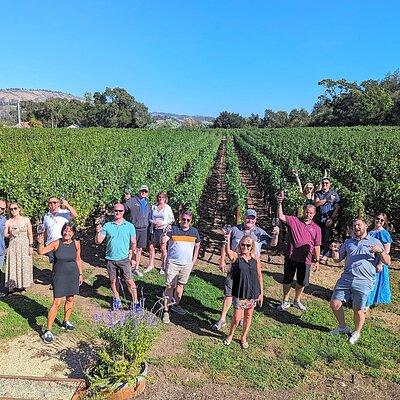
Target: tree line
343,103
113,108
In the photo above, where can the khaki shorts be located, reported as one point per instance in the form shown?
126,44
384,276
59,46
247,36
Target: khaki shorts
177,273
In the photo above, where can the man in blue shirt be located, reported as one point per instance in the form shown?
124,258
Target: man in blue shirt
120,236
327,202
2,224
362,254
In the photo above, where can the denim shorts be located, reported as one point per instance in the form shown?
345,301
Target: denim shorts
358,295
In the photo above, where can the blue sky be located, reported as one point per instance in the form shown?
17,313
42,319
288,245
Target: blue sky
198,57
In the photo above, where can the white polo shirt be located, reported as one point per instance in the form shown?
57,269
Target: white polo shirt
53,224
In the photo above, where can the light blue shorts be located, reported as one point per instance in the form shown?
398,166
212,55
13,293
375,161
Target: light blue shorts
359,296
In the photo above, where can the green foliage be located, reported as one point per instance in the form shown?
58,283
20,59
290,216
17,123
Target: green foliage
93,166
126,338
350,154
229,120
114,108
236,192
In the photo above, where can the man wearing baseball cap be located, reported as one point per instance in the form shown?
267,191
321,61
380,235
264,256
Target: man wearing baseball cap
139,209
248,227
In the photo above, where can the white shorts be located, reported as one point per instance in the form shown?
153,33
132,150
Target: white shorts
176,273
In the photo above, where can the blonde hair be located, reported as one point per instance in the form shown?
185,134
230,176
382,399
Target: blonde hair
252,249
21,212
162,194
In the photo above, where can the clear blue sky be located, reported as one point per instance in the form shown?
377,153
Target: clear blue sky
198,57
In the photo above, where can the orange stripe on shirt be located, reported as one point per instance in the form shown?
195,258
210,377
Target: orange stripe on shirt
176,238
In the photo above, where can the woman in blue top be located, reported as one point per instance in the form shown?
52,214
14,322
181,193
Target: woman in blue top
381,293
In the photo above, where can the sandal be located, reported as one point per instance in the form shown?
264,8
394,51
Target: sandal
227,341
244,344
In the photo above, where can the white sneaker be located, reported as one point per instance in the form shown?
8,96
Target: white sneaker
339,330
283,306
148,269
299,305
354,337
218,325
137,272
162,271
165,317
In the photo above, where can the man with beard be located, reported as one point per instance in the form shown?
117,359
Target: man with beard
362,254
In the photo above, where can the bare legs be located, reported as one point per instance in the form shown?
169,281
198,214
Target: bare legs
247,315
131,288
359,315
152,254
298,292
68,306
225,307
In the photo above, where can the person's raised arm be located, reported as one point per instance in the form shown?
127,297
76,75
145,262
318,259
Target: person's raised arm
297,177
232,255
99,237
70,209
41,249
338,252
280,213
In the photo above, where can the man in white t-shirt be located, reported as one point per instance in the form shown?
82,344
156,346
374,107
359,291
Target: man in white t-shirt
55,219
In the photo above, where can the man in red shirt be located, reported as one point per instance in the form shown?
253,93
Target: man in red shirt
304,240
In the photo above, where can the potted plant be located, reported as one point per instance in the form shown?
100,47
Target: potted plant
120,369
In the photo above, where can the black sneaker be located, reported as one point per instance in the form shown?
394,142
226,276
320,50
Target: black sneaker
47,337
67,326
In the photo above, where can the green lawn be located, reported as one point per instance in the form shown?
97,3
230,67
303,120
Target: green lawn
285,348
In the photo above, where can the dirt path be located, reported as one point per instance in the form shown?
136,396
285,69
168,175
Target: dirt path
213,209
255,198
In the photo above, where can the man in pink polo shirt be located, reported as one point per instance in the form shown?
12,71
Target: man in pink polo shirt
304,240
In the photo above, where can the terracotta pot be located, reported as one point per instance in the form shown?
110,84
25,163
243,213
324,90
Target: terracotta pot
129,392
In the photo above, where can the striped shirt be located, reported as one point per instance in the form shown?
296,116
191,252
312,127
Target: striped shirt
181,244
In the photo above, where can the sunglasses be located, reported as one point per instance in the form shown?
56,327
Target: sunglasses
53,202
248,246
13,208
119,210
144,191
379,219
186,219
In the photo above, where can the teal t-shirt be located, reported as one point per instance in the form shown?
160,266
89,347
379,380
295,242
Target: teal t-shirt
118,239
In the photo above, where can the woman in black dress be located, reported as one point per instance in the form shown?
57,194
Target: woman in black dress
247,287
67,276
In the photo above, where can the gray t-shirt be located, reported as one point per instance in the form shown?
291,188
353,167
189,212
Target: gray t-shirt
360,262
259,236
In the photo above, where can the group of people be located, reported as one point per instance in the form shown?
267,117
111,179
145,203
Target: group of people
364,281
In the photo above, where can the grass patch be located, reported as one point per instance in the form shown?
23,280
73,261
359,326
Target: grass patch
284,347
22,313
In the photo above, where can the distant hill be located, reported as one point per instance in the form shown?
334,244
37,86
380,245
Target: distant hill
12,95
180,117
